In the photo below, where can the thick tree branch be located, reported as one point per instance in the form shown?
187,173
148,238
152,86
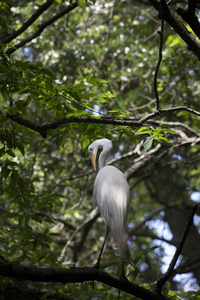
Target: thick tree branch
41,27
28,22
43,128
191,19
167,14
19,272
161,282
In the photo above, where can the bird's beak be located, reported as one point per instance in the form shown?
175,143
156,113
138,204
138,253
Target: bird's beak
93,158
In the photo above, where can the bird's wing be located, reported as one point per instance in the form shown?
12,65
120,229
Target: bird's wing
111,194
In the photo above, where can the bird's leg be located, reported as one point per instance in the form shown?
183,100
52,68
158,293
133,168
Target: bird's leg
123,276
123,272
97,265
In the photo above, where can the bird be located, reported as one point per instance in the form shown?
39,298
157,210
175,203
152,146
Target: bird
111,194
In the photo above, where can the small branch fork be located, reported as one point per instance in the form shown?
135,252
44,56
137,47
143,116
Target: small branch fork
188,15
161,282
168,15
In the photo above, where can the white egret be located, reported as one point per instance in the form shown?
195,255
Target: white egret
111,194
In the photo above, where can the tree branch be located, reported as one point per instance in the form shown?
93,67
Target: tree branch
66,224
43,128
174,124
63,275
27,23
190,18
147,218
161,282
167,110
41,28
157,108
89,221
167,14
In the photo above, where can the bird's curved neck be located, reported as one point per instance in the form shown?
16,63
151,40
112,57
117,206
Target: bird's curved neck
102,158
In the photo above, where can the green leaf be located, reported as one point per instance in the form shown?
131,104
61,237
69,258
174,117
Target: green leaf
109,95
130,136
45,295
110,263
101,100
21,184
148,143
56,2
142,130
81,3
5,93
49,85
14,177
100,80
171,131
5,172
2,151
40,110
20,105
88,77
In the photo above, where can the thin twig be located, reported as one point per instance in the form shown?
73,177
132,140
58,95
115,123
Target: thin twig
92,217
174,124
169,272
192,6
41,28
160,32
147,218
28,22
167,110
81,197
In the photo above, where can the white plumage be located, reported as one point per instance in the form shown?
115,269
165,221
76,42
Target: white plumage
111,193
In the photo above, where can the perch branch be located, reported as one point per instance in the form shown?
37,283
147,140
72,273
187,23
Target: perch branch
71,275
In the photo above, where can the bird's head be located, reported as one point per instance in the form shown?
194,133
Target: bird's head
104,145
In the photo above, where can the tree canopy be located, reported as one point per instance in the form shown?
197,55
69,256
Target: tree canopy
72,72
